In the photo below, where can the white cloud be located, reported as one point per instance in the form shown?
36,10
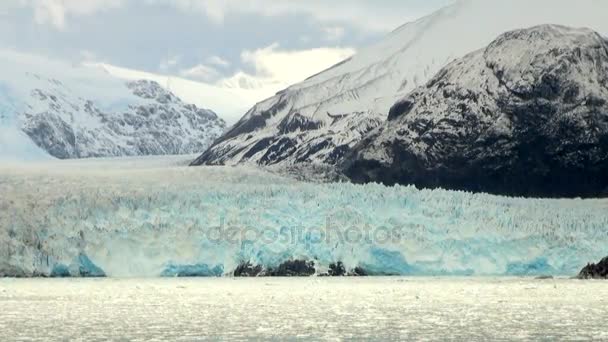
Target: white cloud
218,61
87,56
201,72
334,33
293,66
365,14
54,12
275,69
169,63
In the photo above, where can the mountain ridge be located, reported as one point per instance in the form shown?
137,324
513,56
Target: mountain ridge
81,112
526,116
354,97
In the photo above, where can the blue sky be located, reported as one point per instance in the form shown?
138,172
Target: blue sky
204,40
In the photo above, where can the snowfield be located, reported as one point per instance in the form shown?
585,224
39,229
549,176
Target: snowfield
149,216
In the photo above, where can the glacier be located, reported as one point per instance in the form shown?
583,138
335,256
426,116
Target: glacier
151,217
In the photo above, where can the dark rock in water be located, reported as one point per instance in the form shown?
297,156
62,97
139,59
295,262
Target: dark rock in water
196,270
595,271
532,123
544,277
246,269
358,272
337,269
293,268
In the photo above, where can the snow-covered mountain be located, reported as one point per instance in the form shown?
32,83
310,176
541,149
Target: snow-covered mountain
79,112
231,97
528,115
319,120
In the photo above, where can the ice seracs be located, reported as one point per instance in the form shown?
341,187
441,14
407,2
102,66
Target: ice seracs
332,111
136,217
526,116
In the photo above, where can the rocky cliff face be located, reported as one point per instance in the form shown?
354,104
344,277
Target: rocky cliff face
528,115
155,123
73,111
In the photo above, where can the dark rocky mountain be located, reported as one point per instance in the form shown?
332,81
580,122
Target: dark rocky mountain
317,121
526,116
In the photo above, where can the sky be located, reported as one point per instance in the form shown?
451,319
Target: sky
239,43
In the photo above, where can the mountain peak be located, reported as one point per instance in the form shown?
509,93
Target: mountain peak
527,115
349,100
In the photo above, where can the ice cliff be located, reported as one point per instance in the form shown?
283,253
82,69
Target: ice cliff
142,222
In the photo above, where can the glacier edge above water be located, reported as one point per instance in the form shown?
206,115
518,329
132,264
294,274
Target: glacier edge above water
157,221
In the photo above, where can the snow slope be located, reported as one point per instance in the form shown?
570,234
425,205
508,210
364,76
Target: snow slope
229,98
140,218
526,116
78,112
318,120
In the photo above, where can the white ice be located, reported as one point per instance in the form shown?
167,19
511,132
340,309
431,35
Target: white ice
137,216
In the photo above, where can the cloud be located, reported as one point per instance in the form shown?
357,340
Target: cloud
54,12
87,56
334,33
271,68
169,63
293,66
218,61
365,14
201,72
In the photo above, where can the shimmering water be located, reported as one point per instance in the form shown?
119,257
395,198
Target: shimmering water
309,308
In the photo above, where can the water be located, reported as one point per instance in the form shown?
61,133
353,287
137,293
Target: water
304,308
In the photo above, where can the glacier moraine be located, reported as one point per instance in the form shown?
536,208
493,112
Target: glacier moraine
147,217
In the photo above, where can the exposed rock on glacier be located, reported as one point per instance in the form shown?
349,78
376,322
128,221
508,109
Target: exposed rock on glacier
293,268
318,120
289,268
595,271
528,115
78,112
246,269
